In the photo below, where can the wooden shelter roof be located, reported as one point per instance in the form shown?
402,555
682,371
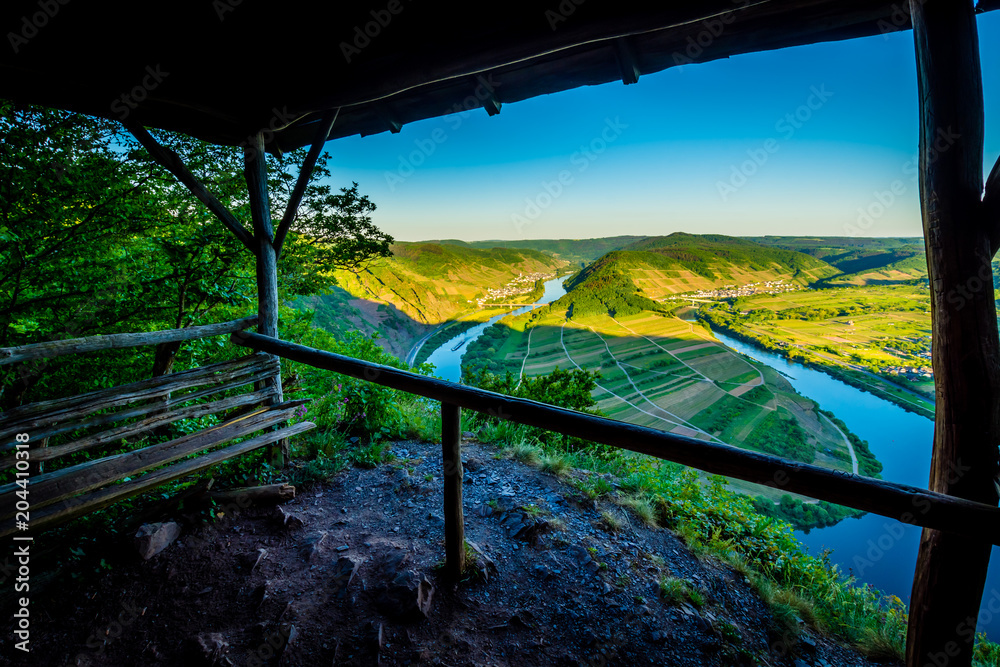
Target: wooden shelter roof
220,70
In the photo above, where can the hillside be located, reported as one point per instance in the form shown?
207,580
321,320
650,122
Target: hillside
574,251
329,585
863,261
658,267
421,286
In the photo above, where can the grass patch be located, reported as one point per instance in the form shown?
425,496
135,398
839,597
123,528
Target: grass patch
555,464
642,508
524,452
612,521
677,591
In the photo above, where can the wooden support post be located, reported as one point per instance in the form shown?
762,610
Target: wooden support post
951,569
454,523
255,172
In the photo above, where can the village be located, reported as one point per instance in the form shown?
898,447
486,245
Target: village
910,372
517,287
731,291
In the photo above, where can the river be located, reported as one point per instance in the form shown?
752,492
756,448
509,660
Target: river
878,551
447,359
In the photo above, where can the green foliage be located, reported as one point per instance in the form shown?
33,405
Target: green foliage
98,238
566,389
602,288
781,434
804,514
676,591
480,355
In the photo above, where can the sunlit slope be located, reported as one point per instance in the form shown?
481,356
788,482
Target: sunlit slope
637,277
433,282
666,265
659,371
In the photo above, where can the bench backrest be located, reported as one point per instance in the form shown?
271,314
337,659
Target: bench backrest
241,394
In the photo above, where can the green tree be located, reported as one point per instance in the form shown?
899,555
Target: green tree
95,237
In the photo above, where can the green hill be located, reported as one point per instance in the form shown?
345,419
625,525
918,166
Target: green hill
421,286
637,277
862,261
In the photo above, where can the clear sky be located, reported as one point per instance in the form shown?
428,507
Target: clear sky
700,148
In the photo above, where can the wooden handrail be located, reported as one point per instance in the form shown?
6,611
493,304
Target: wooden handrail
908,504
58,348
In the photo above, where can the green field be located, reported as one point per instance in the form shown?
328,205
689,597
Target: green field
865,331
665,373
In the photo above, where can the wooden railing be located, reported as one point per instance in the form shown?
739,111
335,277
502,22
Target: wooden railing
901,502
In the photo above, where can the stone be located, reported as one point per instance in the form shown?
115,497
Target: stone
343,574
406,598
312,545
289,520
152,538
207,648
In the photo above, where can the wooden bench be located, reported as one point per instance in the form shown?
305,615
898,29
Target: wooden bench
242,392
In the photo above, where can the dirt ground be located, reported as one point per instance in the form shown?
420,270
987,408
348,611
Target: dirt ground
348,573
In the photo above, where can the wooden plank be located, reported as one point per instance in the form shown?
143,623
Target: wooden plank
57,424
951,569
144,426
200,372
54,486
255,495
454,523
901,502
292,207
80,505
58,348
173,163
37,415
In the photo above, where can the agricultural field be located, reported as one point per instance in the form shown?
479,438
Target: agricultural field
659,371
881,332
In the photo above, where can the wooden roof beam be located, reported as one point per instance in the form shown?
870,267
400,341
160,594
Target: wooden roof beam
627,62
305,173
173,163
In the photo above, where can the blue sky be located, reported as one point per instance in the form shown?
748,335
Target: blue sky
700,148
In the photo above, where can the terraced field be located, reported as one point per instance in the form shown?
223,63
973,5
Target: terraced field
669,374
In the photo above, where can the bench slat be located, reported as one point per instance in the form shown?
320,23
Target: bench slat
159,387
84,504
41,427
172,381
51,487
143,426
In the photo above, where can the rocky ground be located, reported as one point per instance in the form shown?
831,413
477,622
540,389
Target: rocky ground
348,573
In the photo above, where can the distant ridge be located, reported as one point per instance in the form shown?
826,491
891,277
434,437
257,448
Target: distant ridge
576,251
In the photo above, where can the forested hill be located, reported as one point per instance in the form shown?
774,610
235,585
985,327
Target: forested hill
665,265
574,251
635,278
421,284
862,260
